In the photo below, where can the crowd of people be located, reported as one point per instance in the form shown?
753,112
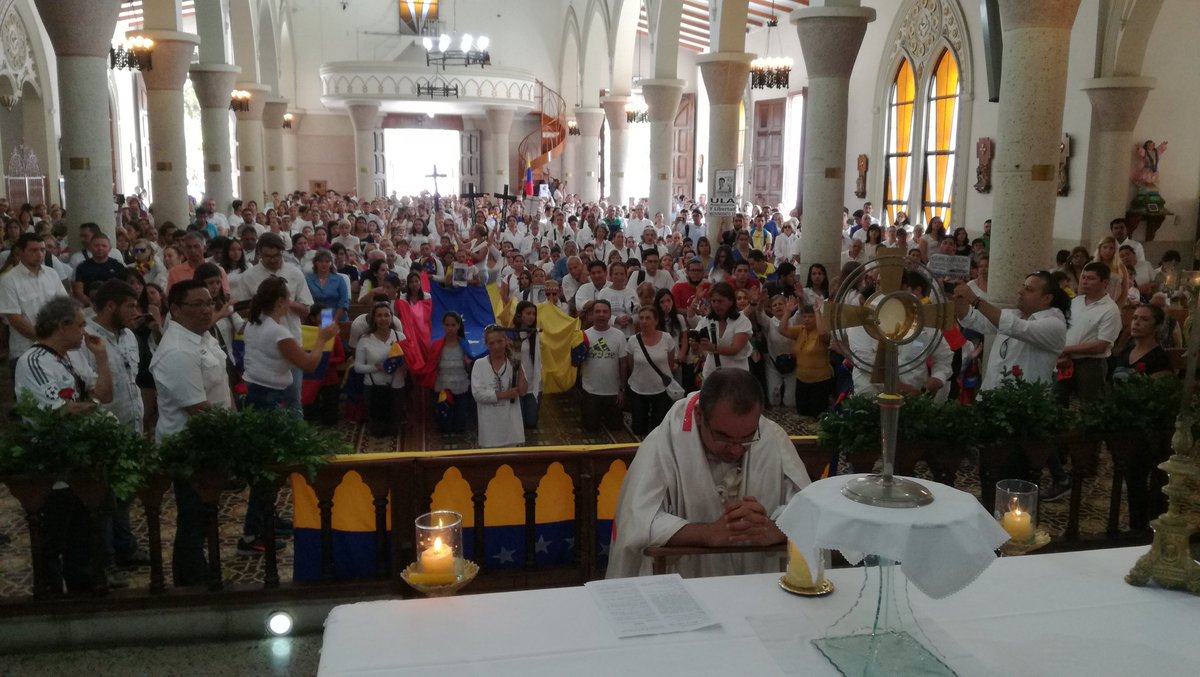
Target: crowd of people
320,304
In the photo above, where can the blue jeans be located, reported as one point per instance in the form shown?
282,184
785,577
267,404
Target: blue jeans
262,397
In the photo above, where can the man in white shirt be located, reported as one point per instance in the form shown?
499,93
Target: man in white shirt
1029,337
590,291
787,244
603,373
86,232
235,219
1140,269
24,289
660,278
1120,232
855,253
635,224
621,298
190,378
344,237
216,217
271,264
1095,325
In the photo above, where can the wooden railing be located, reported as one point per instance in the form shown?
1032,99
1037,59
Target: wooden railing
545,142
410,482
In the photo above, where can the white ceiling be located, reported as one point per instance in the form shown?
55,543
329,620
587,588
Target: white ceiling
694,27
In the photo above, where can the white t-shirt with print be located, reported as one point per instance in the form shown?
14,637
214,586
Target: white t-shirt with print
602,370
643,380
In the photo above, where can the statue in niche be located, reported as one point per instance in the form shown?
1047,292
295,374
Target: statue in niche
983,171
1064,159
700,169
860,184
1145,173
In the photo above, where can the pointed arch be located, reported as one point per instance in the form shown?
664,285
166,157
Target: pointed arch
268,53
244,39
623,45
287,59
941,132
595,63
898,140
569,60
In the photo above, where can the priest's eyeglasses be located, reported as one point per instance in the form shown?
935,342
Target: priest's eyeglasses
723,440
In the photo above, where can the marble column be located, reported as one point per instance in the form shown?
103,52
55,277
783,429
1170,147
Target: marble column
364,115
213,84
587,184
1116,104
164,101
662,103
80,32
1037,40
500,122
618,143
486,178
272,122
726,76
291,176
250,144
829,38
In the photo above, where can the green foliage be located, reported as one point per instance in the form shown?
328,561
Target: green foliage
1020,410
58,444
1136,403
248,445
855,427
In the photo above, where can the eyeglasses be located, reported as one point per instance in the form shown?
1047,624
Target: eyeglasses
723,440
1004,347
138,250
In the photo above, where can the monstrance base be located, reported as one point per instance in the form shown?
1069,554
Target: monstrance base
887,492
886,653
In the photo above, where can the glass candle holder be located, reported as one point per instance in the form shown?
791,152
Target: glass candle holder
804,577
1016,509
439,542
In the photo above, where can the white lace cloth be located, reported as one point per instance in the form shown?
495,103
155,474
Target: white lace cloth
942,547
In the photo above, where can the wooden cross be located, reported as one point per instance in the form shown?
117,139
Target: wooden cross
505,198
437,199
471,195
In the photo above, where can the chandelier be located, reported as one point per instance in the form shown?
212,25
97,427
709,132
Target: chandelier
288,118
573,128
771,72
440,88
133,54
636,109
471,51
239,101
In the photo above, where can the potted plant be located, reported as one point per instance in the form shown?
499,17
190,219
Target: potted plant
1017,423
1136,420
250,445
941,433
853,430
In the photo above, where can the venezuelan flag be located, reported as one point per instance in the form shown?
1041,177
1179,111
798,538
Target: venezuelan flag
504,518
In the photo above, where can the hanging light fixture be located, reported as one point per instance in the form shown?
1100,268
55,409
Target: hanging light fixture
288,118
239,101
471,51
134,53
771,72
636,109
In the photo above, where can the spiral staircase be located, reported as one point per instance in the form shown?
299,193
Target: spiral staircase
546,142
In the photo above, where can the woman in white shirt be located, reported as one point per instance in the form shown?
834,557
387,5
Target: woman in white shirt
651,353
271,349
725,332
497,383
383,375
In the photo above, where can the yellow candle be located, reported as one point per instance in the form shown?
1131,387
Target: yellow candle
437,559
1018,525
798,573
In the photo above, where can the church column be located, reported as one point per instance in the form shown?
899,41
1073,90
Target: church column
500,122
568,161
81,31
587,182
250,144
662,103
1037,40
1116,104
164,99
618,137
829,38
726,75
487,183
291,176
364,116
272,121
214,84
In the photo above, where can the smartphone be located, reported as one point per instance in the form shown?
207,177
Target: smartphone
326,317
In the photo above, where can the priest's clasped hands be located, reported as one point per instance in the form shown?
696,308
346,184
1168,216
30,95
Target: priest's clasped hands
744,522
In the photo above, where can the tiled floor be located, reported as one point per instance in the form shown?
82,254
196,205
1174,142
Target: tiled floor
282,657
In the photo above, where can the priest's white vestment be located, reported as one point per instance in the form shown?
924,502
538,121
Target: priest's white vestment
670,484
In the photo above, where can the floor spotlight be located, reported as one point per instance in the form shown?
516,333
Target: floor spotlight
279,623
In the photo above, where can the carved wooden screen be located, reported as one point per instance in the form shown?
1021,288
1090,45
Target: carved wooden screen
24,181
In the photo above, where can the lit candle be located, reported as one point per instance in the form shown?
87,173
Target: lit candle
437,559
798,573
1017,523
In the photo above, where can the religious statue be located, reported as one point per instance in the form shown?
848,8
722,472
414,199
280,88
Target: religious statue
1064,158
983,171
860,184
1145,173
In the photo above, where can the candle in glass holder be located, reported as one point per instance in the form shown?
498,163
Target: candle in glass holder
1016,509
1018,524
437,559
798,573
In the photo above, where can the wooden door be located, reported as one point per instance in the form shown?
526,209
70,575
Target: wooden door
468,165
767,161
683,148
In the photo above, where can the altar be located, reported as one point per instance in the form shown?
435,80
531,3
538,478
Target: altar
1059,614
